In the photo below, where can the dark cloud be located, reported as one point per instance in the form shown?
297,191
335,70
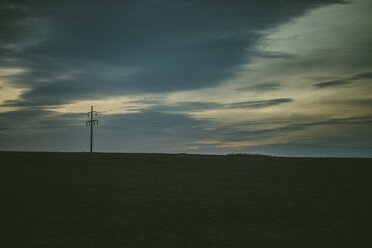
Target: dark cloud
248,131
41,130
38,119
260,87
154,131
344,81
130,47
187,107
259,104
332,83
202,106
185,130
159,131
366,75
154,122
77,50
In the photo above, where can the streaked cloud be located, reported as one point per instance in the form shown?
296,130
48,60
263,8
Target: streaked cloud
347,80
261,87
196,76
203,106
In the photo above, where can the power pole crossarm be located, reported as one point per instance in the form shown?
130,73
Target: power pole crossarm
92,122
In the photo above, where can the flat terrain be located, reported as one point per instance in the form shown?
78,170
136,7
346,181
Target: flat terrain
157,200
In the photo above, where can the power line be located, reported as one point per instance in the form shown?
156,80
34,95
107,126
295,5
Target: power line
92,122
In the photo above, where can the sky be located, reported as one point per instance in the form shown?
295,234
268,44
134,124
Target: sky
283,78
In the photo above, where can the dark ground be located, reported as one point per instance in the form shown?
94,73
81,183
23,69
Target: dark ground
154,200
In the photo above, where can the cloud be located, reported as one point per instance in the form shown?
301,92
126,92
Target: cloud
38,119
203,106
160,46
42,130
347,80
253,133
150,131
260,87
259,104
155,131
366,75
197,65
331,83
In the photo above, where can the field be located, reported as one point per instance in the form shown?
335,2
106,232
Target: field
160,200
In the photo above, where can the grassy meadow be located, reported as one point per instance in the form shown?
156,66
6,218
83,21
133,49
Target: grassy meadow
161,200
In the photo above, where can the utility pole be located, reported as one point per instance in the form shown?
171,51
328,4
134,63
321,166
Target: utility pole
91,123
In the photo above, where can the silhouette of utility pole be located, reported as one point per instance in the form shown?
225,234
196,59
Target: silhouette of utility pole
91,123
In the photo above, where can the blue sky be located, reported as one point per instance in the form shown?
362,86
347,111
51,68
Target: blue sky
289,79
